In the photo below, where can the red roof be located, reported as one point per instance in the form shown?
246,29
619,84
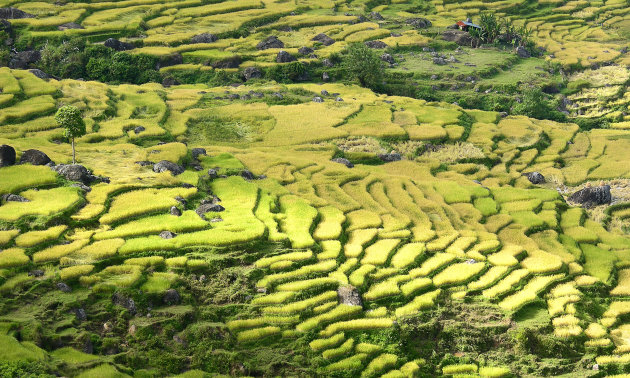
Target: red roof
461,23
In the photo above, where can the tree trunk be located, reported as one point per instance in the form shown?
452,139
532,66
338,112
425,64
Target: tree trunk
74,160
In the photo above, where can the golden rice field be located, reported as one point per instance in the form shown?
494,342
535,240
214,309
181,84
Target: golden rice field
455,225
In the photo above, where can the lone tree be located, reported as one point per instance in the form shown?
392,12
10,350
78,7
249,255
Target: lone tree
69,117
363,64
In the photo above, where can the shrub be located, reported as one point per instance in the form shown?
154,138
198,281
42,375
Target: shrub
361,63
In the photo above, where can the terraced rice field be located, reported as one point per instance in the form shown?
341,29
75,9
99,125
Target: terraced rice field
344,232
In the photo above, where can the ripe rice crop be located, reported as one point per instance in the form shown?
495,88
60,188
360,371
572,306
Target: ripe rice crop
343,349
98,250
274,298
458,273
297,223
528,293
146,262
188,221
340,312
494,372
420,302
380,364
296,307
407,255
18,177
623,284
381,290
143,201
76,271
307,284
415,285
7,235
539,261
32,238
257,334
26,109
42,202
357,240
347,364
320,267
459,369
379,252
58,251
234,325
433,263
13,257
506,283
320,344
291,256
357,325
330,249
329,227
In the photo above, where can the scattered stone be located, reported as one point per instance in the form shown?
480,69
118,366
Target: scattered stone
535,178
376,16
75,172
209,207
167,235
522,52
592,196
170,60
252,73
204,38
388,58
117,45
343,161
196,152
166,165
123,301
169,81
144,163
376,44
439,61
247,175
318,99
7,155
428,49
64,288
132,329
39,73
339,99
213,173
460,37
327,63
284,57
323,39
69,25
503,114
394,156
305,50
349,295
271,42
82,186
277,95
34,157
419,23
13,13
231,62
80,314
36,273
139,129
325,76
324,92
175,211
171,297
22,59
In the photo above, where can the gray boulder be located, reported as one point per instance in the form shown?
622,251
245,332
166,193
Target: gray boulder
535,177
80,314
349,295
325,76
318,99
13,13
394,156
327,62
213,173
34,157
74,172
323,39
247,175
117,45
419,23
176,211
22,59
170,60
171,297
284,57
376,44
522,52
252,73
69,25
7,155
145,163
204,38
196,152
64,288
460,37
376,16
165,165
271,42
167,235
124,301
592,196
36,273
139,129
388,58
343,161
13,198
209,207
39,73
305,50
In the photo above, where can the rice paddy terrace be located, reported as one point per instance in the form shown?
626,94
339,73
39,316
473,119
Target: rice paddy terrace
316,228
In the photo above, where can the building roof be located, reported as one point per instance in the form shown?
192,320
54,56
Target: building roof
466,23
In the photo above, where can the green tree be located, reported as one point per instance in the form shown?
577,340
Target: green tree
362,63
69,117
